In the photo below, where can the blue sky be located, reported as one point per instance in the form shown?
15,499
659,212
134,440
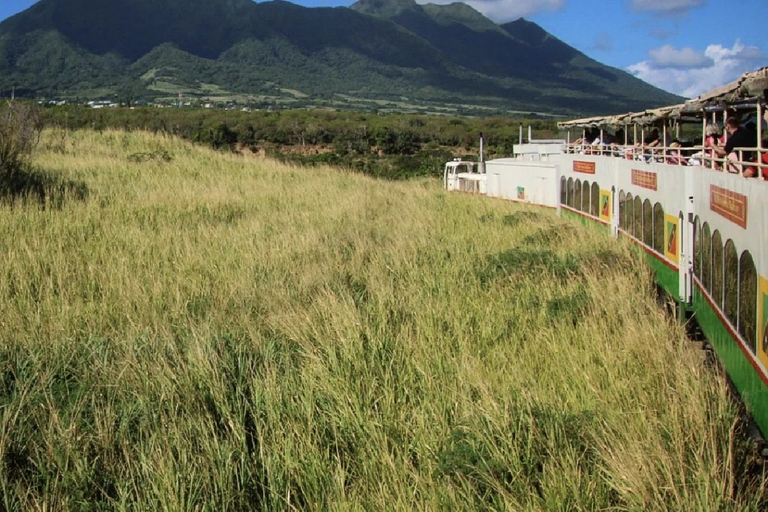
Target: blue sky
683,46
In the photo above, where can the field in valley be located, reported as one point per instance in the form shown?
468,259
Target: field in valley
189,330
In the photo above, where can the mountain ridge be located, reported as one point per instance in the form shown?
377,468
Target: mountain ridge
379,49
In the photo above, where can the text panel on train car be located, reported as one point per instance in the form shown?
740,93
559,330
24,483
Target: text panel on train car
728,204
644,179
584,167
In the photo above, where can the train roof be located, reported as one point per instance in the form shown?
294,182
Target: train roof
750,87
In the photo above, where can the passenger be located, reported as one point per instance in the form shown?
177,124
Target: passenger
652,139
714,138
582,144
738,138
674,156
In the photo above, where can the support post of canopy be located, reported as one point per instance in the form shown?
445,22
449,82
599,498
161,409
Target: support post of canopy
634,138
760,139
602,141
704,154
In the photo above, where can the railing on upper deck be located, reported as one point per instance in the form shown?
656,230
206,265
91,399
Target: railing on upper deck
683,156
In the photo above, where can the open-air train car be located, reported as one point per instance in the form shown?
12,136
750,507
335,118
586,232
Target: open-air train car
704,230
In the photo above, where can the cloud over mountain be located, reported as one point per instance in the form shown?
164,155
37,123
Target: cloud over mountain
666,6
507,10
689,73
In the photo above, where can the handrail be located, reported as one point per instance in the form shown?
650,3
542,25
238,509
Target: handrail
676,155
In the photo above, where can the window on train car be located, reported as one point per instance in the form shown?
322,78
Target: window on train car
706,258
585,196
748,299
731,283
658,228
630,214
577,195
697,247
594,200
647,223
637,230
563,191
717,269
461,168
622,210
571,192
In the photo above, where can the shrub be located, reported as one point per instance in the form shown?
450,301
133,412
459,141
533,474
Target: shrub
20,127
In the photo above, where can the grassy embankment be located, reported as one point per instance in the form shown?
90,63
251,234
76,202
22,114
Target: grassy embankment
220,333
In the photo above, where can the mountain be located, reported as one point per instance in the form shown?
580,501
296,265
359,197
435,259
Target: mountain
393,51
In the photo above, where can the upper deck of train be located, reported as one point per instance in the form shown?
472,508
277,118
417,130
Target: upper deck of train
687,134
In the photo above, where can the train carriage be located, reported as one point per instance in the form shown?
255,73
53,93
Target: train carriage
704,230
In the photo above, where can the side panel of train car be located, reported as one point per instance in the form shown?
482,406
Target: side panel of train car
706,238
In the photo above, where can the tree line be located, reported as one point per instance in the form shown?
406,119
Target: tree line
385,145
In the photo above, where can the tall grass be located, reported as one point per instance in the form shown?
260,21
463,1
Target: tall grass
209,332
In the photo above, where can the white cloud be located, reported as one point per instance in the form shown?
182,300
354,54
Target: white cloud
666,5
674,70
669,57
506,10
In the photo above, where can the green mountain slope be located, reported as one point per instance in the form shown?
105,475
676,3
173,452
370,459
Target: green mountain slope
377,49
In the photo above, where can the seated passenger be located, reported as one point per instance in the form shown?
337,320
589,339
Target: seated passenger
674,156
582,144
738,138
763,159
652,139
714,138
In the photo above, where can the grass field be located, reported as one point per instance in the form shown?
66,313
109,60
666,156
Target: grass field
188,330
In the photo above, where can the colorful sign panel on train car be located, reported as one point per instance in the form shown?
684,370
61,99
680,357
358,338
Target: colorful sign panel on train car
728,204
672,238
584,167
645,179
762,317
605,205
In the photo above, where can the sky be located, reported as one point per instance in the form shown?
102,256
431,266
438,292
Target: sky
683,46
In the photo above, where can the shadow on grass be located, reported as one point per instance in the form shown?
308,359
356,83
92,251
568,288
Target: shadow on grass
35,186
527,261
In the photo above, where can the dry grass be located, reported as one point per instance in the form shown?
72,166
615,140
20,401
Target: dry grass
220,333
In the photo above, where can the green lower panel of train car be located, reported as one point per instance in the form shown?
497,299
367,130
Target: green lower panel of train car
666,277
744,376
585,219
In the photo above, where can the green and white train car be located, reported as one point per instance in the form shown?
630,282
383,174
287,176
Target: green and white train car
705,231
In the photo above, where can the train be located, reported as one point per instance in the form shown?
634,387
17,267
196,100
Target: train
704,229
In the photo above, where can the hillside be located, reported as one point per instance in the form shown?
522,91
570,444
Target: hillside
272,52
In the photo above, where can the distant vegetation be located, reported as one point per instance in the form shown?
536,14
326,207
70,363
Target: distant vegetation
389,146
210,331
